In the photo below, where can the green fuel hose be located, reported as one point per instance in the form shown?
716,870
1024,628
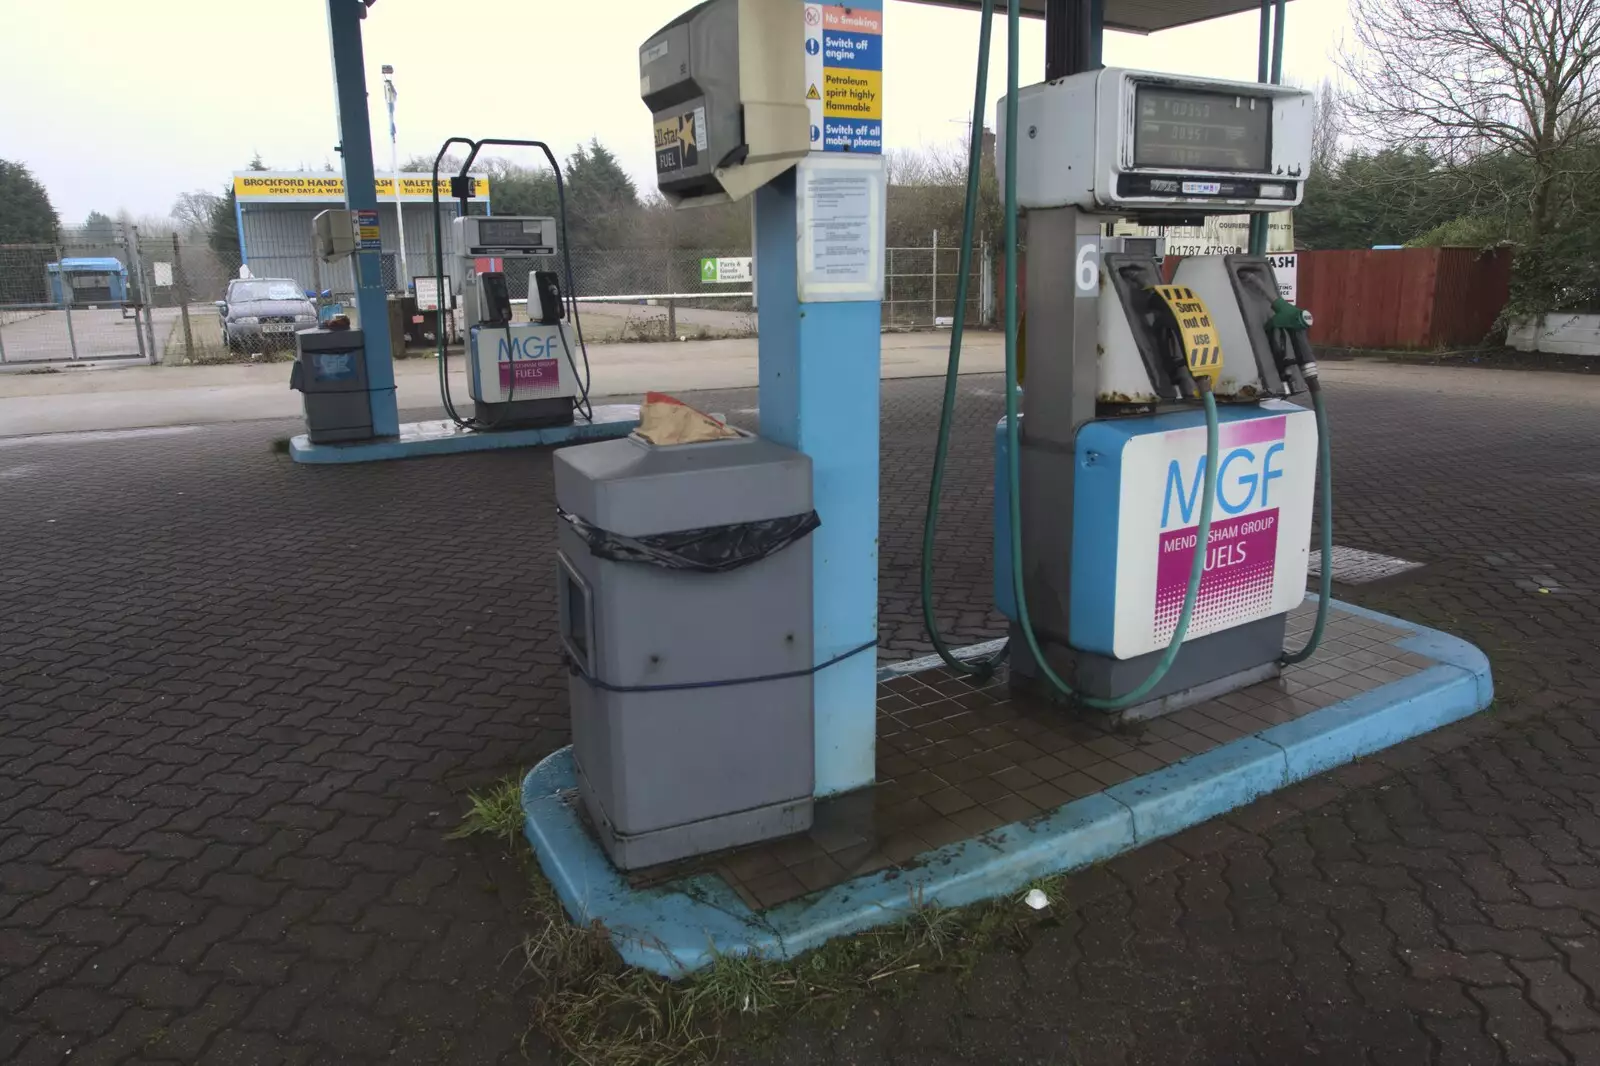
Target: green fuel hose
1325,491
930,523
1196,568
1203,534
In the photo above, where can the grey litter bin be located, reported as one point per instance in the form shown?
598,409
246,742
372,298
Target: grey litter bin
670,773
330,373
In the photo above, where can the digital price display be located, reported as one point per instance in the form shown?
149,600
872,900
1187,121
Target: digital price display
507,233
1201,130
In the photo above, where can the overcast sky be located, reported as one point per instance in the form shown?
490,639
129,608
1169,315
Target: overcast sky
163,96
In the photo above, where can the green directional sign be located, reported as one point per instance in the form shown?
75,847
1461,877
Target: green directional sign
727,270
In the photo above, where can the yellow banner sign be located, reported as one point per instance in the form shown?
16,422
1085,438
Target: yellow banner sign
421,187
266,186
852,93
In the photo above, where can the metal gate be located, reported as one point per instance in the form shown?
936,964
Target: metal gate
77,300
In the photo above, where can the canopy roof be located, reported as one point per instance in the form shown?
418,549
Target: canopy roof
1134,16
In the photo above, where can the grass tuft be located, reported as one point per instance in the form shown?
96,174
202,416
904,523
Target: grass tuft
597,1010
496,813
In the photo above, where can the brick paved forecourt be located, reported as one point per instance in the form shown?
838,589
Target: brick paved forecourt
241,703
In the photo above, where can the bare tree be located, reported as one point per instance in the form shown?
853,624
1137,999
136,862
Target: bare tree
1327,131
1465,78
450,164
193,210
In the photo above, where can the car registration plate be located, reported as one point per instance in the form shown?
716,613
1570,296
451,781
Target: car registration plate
278,327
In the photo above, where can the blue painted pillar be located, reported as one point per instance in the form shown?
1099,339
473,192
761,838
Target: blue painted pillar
360,192
819,370
238,221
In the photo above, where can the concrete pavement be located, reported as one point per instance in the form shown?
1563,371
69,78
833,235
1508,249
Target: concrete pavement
141,396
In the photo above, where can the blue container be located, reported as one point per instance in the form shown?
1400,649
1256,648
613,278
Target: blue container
98,280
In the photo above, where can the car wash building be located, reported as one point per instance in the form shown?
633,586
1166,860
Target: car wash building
275,209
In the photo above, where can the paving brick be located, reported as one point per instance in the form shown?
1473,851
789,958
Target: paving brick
244,1048
1462,1042
1555,992
99,862
1552,921
349,1033
1582,1047
1517,1026
275,694
1511,943
154,985
1487,968
45,1049
76,1010
189,944
137,1033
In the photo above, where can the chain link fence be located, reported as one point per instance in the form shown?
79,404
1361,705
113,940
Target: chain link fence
70,301
656,294
134,295
920,287
184,278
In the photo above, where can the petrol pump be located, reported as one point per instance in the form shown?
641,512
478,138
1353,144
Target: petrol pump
521,368
1154,488
527,369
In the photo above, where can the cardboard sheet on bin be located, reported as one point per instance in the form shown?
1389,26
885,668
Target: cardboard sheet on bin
666,420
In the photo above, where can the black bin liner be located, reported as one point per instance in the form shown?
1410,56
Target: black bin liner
711,550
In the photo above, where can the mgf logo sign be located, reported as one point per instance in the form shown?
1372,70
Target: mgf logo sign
540,375
528,348
1252,462
1240,553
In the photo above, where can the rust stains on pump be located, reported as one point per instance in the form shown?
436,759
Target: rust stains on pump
1143,399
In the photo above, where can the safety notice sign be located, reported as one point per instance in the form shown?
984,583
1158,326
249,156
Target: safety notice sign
367,239
844,76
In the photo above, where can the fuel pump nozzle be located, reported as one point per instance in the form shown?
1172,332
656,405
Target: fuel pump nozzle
1170,349
1291,345
1191,347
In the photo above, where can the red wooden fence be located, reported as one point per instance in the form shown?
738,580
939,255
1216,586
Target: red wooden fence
1419,298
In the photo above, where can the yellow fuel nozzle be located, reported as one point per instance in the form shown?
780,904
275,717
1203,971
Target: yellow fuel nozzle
1202,348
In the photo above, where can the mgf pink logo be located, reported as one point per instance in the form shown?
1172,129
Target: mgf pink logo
1241,552
1252,459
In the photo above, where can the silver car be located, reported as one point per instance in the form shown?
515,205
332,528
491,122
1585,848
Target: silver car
264,312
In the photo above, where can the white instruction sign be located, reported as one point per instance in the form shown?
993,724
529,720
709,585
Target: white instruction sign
428,293
841,228
1286,268
163,273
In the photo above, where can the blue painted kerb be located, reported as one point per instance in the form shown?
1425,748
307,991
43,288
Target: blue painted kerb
676,929
444,438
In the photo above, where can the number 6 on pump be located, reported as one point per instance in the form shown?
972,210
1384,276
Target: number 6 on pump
1086,266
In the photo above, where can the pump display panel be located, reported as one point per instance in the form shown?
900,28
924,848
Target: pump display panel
1210,131
1144,145
507,232
505,236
